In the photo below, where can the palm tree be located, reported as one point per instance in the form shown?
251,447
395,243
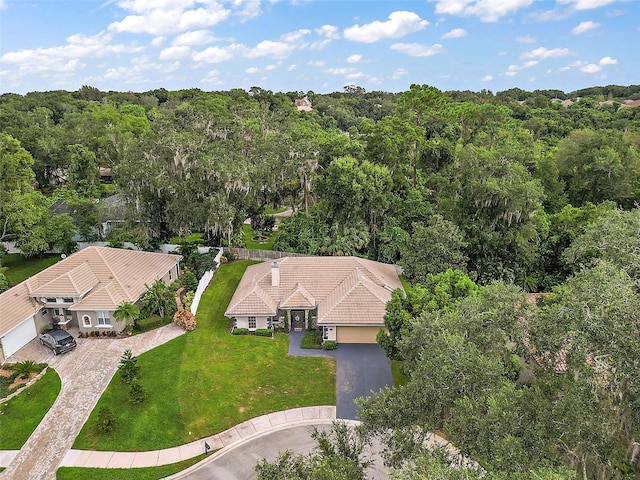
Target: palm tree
127,312
159,298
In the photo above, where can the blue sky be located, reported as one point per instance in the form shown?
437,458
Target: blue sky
302,45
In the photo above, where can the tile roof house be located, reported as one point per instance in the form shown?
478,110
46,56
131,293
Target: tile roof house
82,290
344,296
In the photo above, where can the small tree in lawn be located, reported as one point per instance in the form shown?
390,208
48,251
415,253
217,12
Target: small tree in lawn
159,299
127,312
129,367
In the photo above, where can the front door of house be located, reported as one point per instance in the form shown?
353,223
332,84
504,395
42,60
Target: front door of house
297,320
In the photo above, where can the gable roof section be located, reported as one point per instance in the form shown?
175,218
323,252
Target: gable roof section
299,297
347,290
74,283
115,275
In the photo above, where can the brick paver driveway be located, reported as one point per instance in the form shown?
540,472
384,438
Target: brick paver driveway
85,373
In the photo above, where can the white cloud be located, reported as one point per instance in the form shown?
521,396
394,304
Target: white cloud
271,67
268,48
355,58
514,69
328,31
349,72
3,5
157,41
212,78
195,37
584,27
166,16
251,9
252,70
399,73
586,4
525,39
296,36
291,68
217,54
591,68
608,61
66,58
400,23
485,10
316,63
417,49
319,45
175,53
542,52
455,33
486,78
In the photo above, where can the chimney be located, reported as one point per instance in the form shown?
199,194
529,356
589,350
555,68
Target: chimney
275,274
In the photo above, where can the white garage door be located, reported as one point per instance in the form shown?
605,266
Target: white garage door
357,334
19,337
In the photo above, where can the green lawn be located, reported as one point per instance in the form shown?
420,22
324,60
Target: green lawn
22,414
250,233
146,473
19,268
207,381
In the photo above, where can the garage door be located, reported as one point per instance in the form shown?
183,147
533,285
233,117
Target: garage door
357,334
19,337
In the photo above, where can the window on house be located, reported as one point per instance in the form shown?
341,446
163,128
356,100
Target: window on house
57,311
103,318
325,333
252,323
67,312
269,322
44,312
51,300
86,321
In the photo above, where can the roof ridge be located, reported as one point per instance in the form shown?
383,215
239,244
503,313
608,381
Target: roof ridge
114,277
355,273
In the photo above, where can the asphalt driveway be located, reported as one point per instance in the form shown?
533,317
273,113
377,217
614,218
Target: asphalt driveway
360,369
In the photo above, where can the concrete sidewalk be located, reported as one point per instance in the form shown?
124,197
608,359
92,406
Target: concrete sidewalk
238,434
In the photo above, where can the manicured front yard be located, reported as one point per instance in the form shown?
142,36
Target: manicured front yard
21,415
19,268
207,381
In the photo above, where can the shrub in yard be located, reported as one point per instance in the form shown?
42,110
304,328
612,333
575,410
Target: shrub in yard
106,420
189,281
185,319
137,393
329,345
188,300
25,368
4,283
129,367
264,332
228,255
240,331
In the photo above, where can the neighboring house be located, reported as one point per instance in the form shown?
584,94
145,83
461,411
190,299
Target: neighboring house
303,104
344,296
82,290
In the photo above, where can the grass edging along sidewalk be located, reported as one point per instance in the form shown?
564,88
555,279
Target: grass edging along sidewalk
207,381
145,473
22,413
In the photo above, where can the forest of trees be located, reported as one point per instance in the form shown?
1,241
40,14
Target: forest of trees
480,197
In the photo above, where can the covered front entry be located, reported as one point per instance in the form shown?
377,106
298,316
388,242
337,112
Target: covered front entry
357,334
297,320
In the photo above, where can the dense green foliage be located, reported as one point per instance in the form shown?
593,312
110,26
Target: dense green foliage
486,177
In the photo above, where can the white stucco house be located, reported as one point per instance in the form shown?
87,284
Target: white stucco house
344,296
82,290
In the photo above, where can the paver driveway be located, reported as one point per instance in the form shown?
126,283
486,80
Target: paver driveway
85,373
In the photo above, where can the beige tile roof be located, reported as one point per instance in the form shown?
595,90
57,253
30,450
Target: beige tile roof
347,290
114,276
77,281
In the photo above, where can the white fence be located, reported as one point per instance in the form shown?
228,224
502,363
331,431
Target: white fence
203,284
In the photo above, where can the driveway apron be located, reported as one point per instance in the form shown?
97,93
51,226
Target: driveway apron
85,373
360,369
